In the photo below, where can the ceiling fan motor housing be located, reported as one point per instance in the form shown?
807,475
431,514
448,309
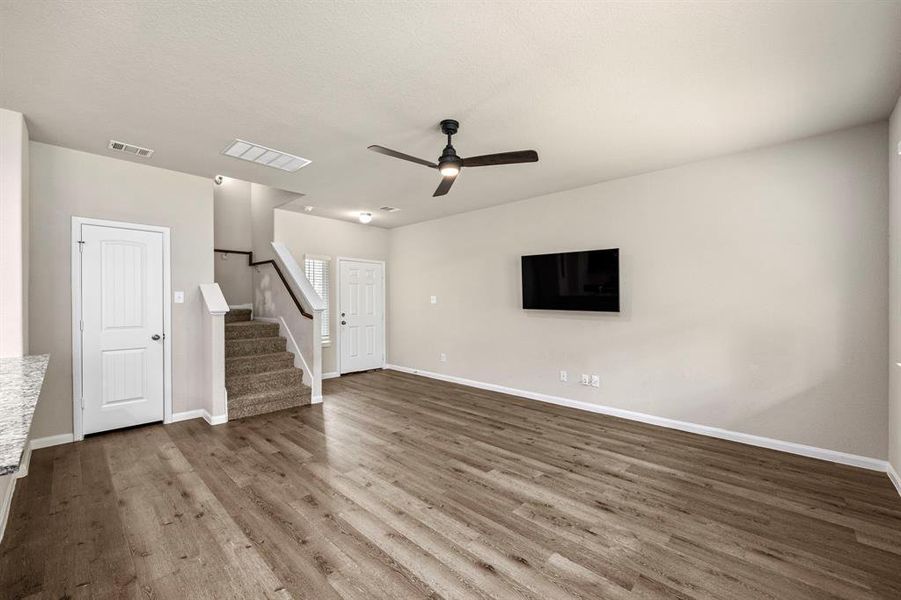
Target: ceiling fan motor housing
449,156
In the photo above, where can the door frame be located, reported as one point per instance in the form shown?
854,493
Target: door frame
77,362
337,313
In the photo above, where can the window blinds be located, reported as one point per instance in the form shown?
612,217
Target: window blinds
317,270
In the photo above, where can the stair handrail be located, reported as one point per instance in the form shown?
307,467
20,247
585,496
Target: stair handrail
252,263
297,279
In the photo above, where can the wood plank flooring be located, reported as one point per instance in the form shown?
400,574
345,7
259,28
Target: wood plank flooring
404,487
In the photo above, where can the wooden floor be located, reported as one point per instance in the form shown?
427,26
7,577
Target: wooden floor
403,487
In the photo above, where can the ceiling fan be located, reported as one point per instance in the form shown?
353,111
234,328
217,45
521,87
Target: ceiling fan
449,164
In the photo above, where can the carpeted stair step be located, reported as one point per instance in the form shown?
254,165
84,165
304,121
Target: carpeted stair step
257,403
261,382
252,346
240,330
236,315
258,363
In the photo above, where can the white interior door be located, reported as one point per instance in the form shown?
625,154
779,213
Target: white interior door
361,319
122,327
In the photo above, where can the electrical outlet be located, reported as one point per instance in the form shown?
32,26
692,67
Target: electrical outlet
443,357
179,297
564,376
586,380
595,381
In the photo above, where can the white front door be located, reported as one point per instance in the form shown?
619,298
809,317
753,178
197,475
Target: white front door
361,323
122,327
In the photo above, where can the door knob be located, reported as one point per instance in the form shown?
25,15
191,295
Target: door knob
155,336
344,322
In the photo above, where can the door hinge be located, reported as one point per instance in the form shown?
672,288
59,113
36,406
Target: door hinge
81,246
81,325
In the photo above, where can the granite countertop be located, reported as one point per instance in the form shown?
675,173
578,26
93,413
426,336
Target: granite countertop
20,385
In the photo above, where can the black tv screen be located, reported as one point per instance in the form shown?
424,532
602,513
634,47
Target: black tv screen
587,280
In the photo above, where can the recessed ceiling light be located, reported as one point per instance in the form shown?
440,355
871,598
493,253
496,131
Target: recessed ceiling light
365,217
130,149
308,208
389,209
267,157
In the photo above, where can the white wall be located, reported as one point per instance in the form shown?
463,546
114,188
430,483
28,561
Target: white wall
14,215
67,183
754,293
306,234
232,231
264,200
894,159
231,223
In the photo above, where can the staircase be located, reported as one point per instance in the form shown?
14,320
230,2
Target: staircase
259,372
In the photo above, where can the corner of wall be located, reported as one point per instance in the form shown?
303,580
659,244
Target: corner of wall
894,420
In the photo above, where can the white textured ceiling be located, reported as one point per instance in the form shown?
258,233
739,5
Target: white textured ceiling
601,90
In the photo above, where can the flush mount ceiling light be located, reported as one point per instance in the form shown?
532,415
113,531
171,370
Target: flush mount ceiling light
389,209
365,217
267,157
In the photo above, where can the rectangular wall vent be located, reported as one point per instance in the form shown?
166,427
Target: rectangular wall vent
130,149
262,155
389,208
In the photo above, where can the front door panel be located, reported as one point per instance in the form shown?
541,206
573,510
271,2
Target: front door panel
361,321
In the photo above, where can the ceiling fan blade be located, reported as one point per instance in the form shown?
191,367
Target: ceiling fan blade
504,158
445,185
402,156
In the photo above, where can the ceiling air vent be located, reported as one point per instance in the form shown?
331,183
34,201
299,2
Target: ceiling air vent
389,208
130,149
267,157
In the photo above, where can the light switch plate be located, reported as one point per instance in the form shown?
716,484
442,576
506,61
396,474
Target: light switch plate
433,299
564,376
179,297
586,380
595,381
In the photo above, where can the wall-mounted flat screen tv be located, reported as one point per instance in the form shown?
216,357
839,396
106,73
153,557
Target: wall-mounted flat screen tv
587,280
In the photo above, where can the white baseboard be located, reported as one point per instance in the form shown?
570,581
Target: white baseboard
51,440
854,460
316,400
6,500
217,420
23,464
241,306
895,478
199,413
331,375
6,494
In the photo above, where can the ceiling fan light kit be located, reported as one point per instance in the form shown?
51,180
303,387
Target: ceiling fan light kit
449,163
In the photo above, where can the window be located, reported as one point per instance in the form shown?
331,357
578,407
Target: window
317,269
